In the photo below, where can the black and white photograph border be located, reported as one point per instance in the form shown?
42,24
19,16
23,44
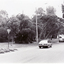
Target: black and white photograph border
31,31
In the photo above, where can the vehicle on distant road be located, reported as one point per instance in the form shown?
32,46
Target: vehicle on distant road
60,38
45,43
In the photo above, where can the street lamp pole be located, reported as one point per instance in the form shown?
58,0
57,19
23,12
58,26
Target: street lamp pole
36,29
8,30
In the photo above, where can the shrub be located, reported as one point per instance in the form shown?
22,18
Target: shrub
25,36
3,34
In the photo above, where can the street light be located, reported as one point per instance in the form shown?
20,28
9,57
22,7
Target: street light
8,30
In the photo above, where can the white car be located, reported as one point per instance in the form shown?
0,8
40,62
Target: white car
61,38
45,43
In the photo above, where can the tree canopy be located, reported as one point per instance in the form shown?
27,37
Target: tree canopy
23,29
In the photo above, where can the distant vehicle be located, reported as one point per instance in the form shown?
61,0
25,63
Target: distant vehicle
61,38
45,43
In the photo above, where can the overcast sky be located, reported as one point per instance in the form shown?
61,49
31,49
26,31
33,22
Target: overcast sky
28,7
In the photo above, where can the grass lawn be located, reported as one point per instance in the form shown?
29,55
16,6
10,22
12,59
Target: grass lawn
11,45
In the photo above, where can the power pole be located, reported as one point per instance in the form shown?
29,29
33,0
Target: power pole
36,29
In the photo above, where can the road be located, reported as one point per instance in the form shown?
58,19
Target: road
35,55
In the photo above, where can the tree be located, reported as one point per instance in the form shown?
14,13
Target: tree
3,18
25,24
3,35
13,24
26,30
50,10
25,36
4,14
51,27
20,16
63,10
40,11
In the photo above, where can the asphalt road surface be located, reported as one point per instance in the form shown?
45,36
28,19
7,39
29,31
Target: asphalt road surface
35,55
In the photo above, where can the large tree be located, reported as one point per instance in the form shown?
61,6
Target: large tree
50,10
51,27
13,24
63,10
3,34
40,11
27,31
3,18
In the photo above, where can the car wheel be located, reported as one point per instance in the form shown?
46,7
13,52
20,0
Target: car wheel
50,46
39,46
59,41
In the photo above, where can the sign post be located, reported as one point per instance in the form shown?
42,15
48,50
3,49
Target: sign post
8,30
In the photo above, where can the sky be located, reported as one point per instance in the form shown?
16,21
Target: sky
28,7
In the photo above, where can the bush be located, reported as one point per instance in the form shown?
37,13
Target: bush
25,36
3,34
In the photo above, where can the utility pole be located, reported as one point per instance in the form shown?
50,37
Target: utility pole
36,29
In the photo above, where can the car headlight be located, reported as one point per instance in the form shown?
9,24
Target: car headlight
40,44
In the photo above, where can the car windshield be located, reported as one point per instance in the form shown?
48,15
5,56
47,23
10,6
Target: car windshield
45,41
